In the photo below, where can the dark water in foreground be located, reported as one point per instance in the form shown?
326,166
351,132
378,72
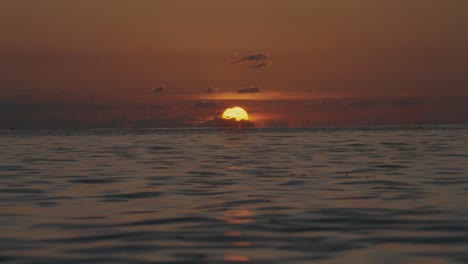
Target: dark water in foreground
384,195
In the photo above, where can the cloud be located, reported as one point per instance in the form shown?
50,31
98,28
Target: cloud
227,123
211,90
255,57
249,90
261,64
205,104
254,60
160,89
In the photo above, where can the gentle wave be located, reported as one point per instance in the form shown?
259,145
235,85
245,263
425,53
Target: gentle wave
325,195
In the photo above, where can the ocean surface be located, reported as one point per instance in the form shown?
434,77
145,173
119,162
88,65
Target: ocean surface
323,195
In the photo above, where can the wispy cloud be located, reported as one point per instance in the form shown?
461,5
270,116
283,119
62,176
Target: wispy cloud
159,89
255,60
211,90
249,90
260,56
261,64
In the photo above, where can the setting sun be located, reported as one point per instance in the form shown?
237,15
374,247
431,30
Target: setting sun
237,113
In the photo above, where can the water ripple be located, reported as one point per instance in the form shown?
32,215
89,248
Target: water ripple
325,195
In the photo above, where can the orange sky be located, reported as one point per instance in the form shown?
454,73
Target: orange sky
114,53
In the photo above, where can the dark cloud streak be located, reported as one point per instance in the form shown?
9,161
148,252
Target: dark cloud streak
160,89
249,90
211,90
261,64
255,60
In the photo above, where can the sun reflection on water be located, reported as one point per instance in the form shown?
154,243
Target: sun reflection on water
237,217
236,258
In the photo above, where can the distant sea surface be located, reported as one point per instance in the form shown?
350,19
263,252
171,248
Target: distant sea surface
324,195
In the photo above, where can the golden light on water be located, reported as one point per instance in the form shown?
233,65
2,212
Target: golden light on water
236,258
237,113
236,217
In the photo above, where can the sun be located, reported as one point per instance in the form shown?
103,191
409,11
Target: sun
236,112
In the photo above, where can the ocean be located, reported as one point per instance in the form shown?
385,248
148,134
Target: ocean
320,195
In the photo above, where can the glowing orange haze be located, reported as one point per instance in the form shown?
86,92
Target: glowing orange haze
301,62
